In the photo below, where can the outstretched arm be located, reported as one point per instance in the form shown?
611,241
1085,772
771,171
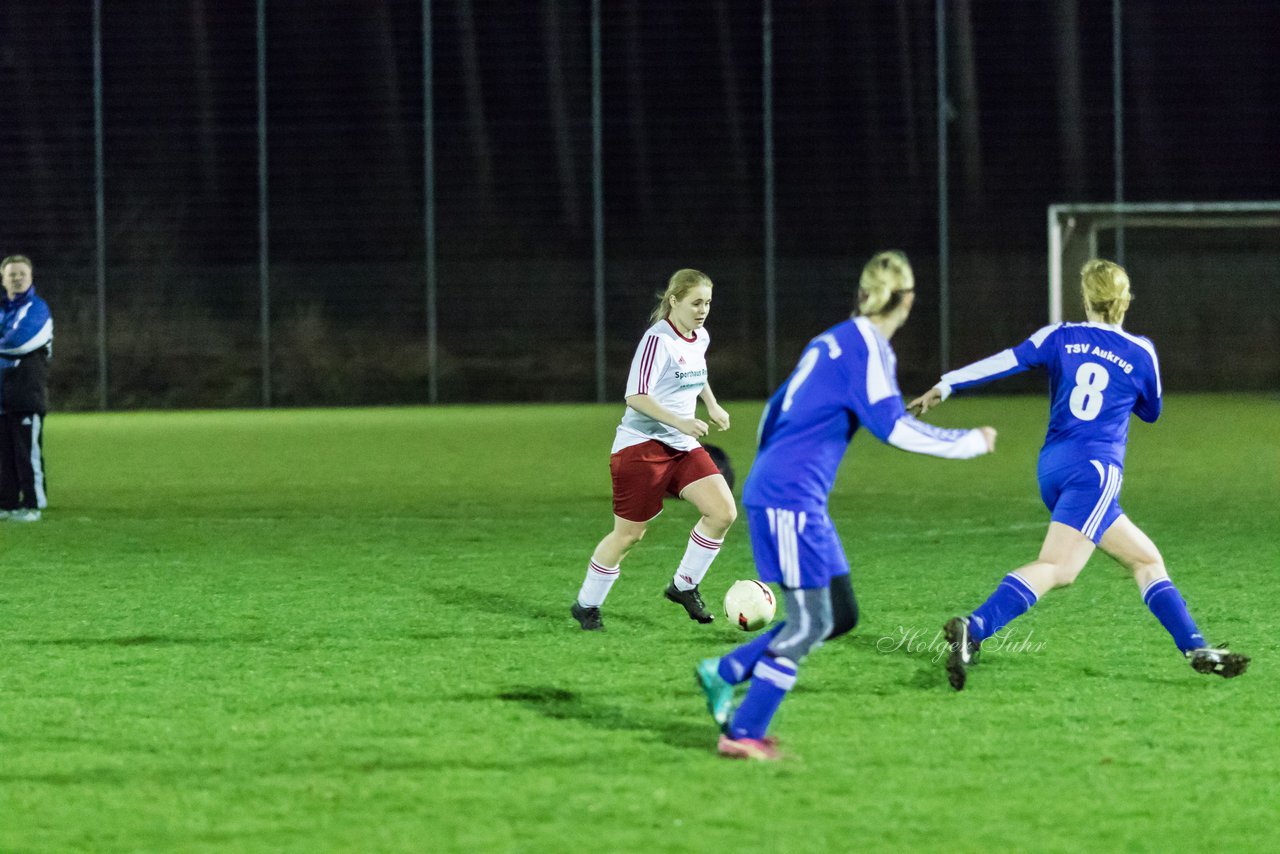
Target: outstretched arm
877,402
889,422
908,434
1006,363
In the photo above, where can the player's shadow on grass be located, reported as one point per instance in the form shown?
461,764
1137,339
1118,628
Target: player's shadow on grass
927,672
560,704
510,607
144,640
497,604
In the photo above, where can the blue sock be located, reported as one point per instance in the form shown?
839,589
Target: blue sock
1009,601
771,679
1166,603
736,667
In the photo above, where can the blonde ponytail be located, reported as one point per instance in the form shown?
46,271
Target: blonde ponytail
886,276
1105,288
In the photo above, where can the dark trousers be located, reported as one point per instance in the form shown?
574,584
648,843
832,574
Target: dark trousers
22,482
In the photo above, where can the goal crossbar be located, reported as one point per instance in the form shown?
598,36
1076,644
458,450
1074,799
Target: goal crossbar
1062,222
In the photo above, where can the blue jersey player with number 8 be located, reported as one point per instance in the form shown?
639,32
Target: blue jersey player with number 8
845,379
1098,374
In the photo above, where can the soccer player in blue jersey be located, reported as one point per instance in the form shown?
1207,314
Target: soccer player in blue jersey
1098,374
846,379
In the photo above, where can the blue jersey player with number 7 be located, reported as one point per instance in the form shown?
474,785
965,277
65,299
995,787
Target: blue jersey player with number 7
845,379
1098,374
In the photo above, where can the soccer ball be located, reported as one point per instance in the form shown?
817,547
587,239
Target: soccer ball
750,604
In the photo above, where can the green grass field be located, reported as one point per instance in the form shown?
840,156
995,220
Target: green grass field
349,631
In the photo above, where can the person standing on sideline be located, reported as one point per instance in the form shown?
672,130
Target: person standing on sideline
656,452
26,343
1098,374
845,379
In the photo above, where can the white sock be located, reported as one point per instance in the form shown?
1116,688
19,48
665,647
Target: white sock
595,587
697,559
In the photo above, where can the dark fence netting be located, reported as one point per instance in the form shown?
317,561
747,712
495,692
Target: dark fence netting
187,318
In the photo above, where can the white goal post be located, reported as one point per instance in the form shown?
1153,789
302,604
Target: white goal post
1074,228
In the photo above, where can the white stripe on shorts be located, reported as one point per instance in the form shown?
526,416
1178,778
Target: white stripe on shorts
1110,490
788,545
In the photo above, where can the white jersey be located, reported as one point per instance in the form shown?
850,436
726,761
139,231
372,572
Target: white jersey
671,369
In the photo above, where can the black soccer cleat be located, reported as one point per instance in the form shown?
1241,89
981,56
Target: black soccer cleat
964,651
588,618
691,601
1219,660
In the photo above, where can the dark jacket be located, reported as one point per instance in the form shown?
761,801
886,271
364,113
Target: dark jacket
26,344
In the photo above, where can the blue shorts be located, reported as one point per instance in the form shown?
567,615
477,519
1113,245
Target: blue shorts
794,548
1084,496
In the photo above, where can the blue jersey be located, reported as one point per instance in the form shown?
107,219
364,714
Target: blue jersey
1098,374
26,343
846,378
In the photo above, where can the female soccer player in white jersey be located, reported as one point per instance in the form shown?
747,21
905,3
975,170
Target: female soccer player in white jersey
1098,374
846,378
656,452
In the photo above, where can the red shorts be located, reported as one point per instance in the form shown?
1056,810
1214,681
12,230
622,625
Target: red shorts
644,474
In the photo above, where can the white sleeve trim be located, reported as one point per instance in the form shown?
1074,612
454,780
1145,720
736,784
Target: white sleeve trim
921,438
1042,333
879,386
35,342
984,369
980,370
642,378
1151,351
